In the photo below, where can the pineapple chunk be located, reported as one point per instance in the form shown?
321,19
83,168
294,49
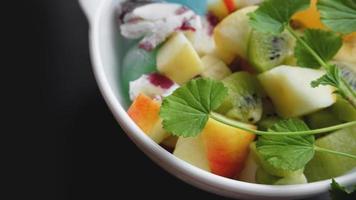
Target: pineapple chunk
290,90
178,60
232,34
214,68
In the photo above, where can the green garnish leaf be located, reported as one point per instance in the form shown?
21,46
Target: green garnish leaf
339,15
287,152
187,110
273,16
324,43
332,77
338,192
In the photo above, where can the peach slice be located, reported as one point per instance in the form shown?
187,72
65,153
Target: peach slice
144,111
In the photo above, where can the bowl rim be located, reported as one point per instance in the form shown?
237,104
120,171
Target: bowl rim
177,167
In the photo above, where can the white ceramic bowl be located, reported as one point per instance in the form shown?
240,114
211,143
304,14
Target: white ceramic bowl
106,55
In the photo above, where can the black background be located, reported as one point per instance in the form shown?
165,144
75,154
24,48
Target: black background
94,158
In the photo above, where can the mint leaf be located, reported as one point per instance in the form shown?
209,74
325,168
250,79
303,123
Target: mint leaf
273,16
324,43
339,15
187,110
287,152
338,192
332,77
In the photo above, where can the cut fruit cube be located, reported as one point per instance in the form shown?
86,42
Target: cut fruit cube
226,147
343,110
144,111
291,93
192,150
321,119
218,8
309,18
263,177
325,165
214,68
224,55
220,149
231,35
178,60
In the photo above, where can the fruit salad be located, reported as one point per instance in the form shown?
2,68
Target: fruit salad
252,90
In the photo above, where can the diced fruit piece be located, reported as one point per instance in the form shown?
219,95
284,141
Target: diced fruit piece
152,85
178,60
224,55
144,112
266,51
244,101
292,180
226,147
220,149
135,63
268,167
325,165
231,35
348,50
309,18
262,177
192,150
230,5
322,119
214,68
248,173
218,8
343,110
291,93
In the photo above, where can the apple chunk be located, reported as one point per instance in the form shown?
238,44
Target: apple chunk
226,147
220,149
192,150
178,60
144,111
291,93
232,34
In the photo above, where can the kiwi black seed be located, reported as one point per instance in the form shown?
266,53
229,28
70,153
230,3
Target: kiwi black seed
266,51
244,102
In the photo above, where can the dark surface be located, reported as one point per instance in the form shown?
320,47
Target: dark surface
95,159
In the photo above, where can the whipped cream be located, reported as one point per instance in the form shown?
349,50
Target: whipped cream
156,21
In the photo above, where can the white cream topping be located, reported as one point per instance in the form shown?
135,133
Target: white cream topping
143,85
157,21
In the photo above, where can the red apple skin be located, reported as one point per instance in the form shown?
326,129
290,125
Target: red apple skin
144,111
227,148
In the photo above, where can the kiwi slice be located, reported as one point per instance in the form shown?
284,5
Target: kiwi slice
342,109
322,119
266,51
263,177
244,101
324,165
